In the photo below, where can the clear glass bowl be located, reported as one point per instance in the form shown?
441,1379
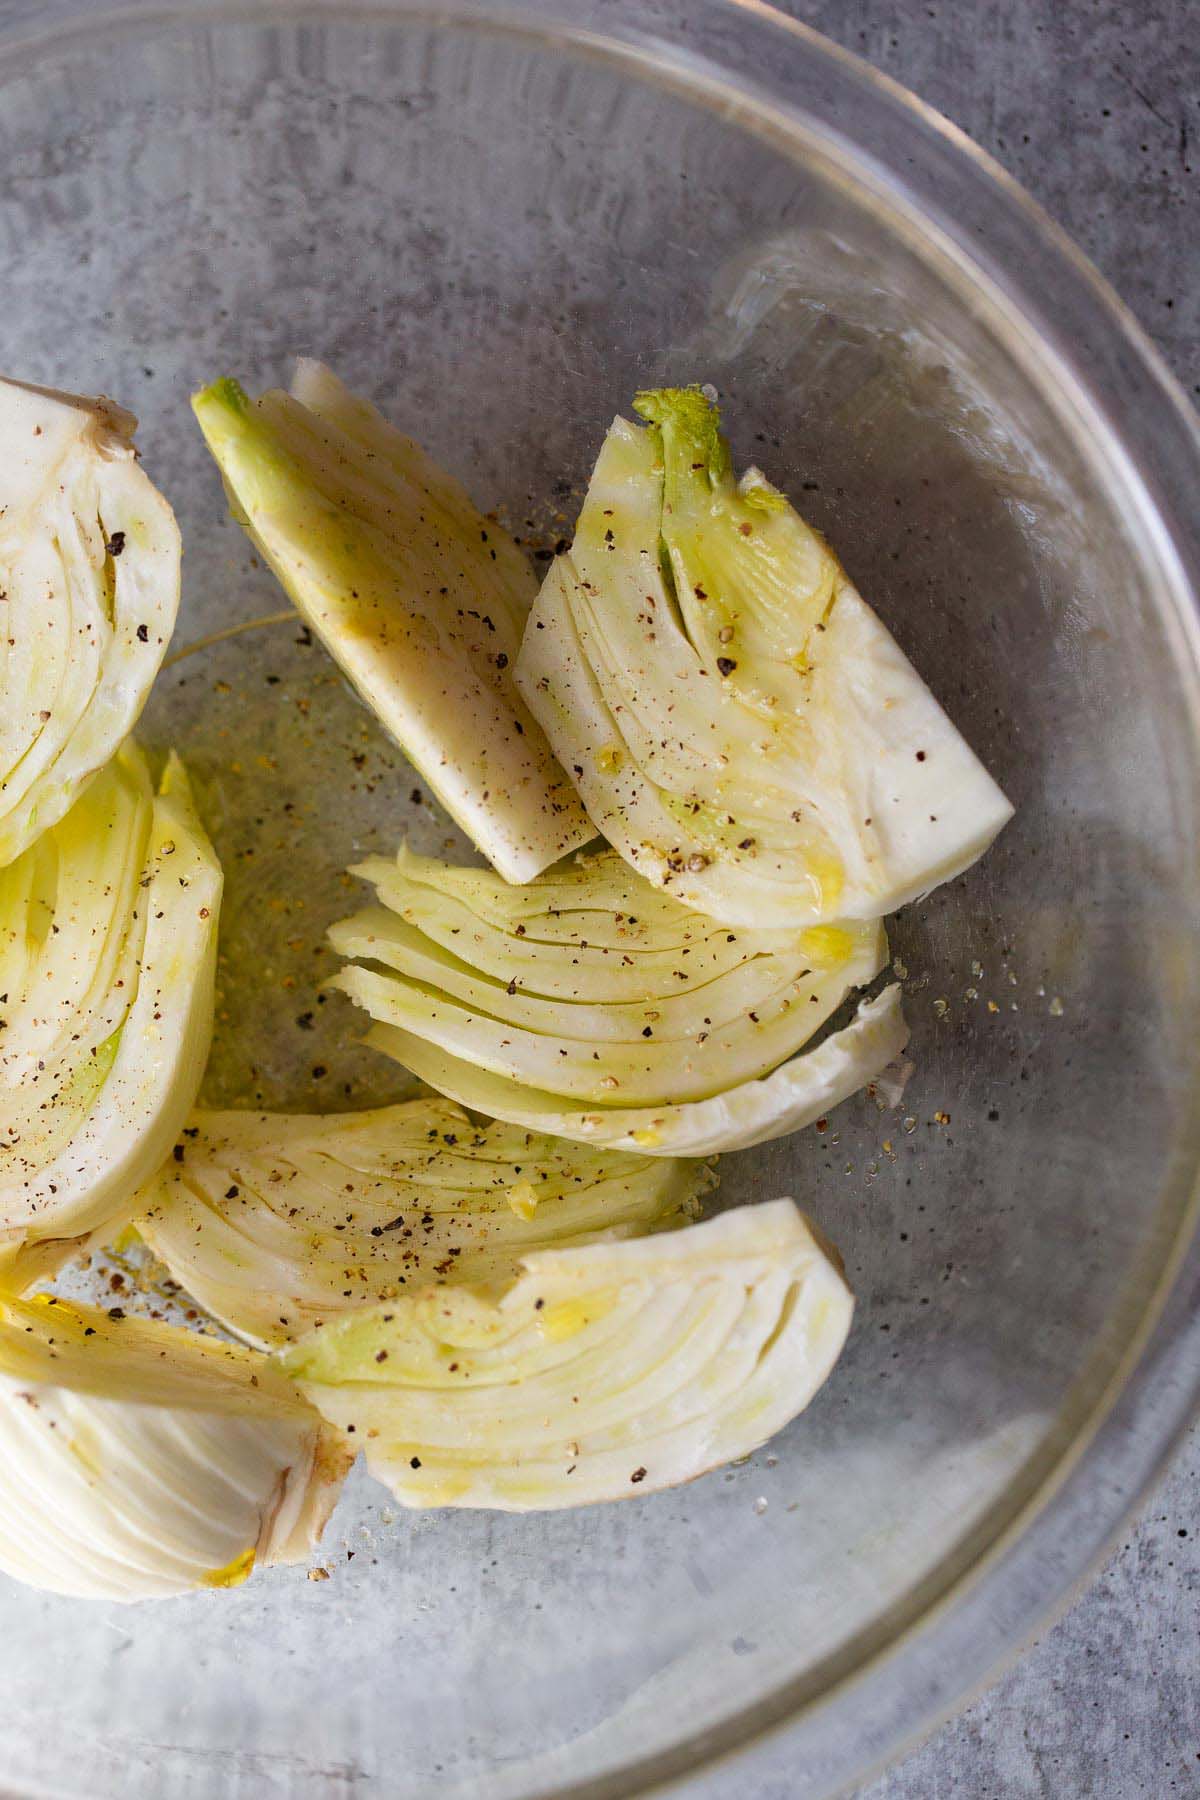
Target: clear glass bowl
499,222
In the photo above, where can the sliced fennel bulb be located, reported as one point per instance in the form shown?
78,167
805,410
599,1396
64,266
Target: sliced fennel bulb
139,1460
602,1373
89,581
739,723
108,929
589,1004
419,597
276,1224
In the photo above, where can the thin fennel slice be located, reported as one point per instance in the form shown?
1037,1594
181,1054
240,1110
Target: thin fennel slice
796,1094
418,596
602,1373
138,1460
108,931
89,584
277,1224
741,726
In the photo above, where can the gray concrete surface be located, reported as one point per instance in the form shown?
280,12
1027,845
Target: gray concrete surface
1094,105
1107,1703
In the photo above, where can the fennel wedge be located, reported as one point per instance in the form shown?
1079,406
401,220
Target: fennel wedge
741,726
139,1460
590,1004
601,1373
108,931
278,1223
89,586
418,597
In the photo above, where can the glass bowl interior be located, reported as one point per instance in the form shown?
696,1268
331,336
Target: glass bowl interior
499,234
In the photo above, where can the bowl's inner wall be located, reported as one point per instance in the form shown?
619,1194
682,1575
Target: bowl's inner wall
499,242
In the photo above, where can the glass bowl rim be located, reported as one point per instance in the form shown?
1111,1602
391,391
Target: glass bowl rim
1026,1561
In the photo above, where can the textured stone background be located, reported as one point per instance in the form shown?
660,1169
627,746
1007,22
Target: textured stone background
1094,105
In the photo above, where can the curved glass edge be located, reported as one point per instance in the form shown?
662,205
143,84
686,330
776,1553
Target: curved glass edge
1006,1591
958,1629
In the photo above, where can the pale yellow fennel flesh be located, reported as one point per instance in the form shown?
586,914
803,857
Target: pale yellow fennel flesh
89,587
419,597
589,1004
739,723
277,1223
139,1460
602,1373
108,934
